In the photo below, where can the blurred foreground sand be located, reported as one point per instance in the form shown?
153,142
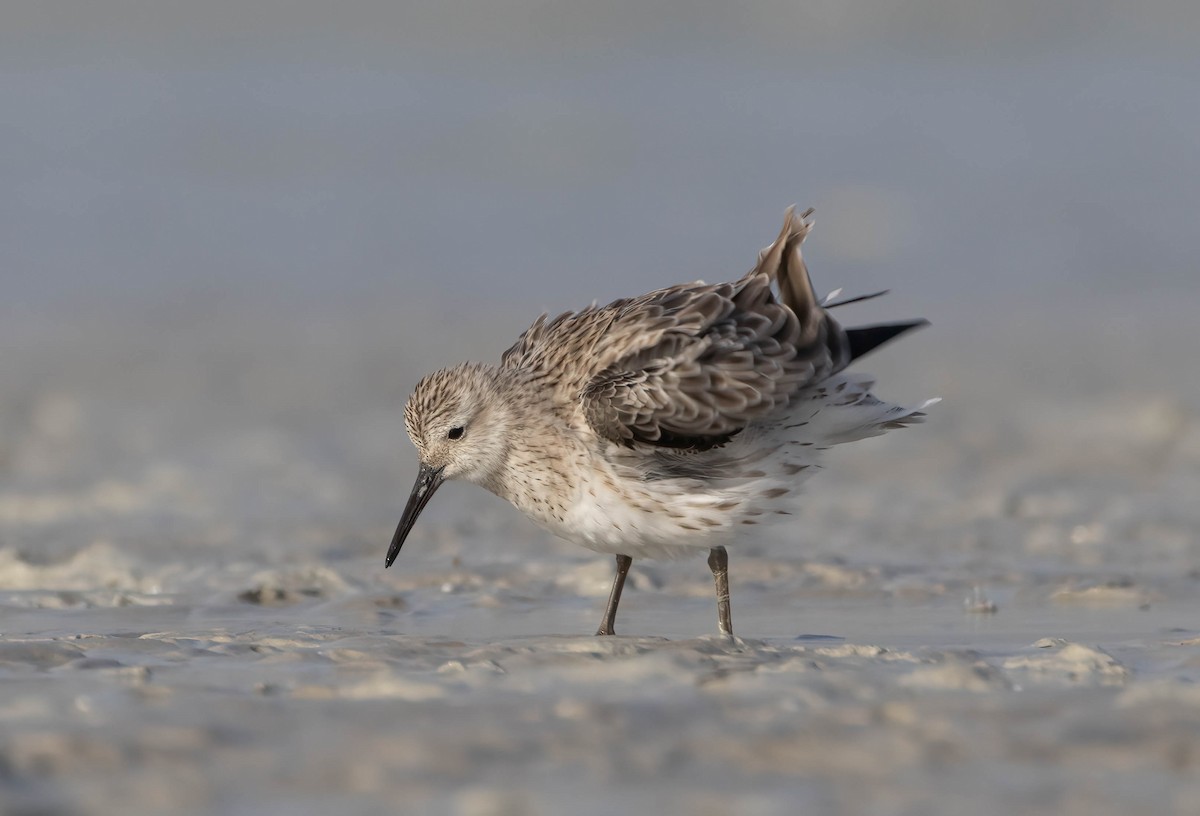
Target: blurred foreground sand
194,615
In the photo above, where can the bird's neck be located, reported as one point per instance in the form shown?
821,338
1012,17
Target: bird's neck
538,447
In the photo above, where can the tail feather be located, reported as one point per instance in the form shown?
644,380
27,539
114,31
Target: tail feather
783,263
829,302
843,409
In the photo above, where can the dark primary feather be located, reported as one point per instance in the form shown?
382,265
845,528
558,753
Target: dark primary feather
865,339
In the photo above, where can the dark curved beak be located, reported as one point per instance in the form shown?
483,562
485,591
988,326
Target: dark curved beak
428,481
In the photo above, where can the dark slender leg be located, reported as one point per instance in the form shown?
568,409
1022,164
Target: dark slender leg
718,562
614,597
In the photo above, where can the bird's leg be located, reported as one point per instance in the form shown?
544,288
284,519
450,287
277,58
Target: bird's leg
614,597
718,562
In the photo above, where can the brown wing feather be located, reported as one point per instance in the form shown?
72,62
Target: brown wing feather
698,388
692,365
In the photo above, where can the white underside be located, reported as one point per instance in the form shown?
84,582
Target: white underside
667,504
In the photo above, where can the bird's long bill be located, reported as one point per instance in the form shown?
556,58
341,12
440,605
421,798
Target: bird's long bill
428,481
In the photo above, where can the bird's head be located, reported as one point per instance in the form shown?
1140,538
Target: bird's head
457,419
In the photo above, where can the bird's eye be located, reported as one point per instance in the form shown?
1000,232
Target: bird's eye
456,432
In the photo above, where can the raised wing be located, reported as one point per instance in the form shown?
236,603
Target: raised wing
696,389
692,365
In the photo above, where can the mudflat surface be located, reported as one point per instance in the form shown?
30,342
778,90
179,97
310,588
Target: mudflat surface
994,612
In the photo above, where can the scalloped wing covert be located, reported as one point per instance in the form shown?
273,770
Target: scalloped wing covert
691,365
696,389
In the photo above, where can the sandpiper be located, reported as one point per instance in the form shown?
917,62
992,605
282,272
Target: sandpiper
661,425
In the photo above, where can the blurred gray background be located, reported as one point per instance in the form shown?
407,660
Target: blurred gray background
222,221
541,154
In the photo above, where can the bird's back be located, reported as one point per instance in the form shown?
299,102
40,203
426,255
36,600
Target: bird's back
688,365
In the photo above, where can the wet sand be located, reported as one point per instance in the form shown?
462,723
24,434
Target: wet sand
995,612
